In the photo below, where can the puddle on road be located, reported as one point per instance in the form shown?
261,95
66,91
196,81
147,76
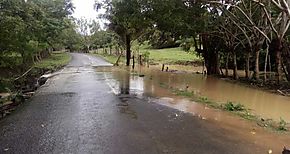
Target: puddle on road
125,81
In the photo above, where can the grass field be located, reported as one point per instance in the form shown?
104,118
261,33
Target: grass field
160,56
111,58
170,55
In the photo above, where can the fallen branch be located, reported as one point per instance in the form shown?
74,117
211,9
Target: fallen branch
281,92
23,74
117,62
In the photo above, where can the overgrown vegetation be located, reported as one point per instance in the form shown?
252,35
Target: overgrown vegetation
230,106
17,81
282,125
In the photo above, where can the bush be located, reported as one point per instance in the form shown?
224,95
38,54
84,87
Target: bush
230,106
282,125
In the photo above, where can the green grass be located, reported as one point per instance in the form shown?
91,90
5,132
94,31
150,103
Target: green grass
230,106
160,56
169,55
111,58
55,61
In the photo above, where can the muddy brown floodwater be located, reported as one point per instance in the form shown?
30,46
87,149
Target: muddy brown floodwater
262,103
147,83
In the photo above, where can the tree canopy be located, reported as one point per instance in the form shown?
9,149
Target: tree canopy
31,28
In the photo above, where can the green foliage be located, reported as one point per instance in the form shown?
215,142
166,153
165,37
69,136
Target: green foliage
203,99
247,115
230,106
105,39
186,44
31,28
282,125
146,55
88,30
4,85
56,60
184,93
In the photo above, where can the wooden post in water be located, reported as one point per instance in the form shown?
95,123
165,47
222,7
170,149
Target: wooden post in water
133,66
203,66
163,67
140,60
167,69
270,67
148,63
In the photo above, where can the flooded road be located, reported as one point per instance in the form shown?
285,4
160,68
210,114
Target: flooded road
88,108
262,103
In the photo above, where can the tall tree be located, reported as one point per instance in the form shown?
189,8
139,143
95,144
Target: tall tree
127,20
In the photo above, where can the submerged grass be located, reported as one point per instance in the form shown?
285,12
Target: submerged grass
235,108
230,106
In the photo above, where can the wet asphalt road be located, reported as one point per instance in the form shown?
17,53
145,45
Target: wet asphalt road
77,112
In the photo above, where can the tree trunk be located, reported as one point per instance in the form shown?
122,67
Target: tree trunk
288,69
247,70
128,49
257,70
227,64
285,70
266,62
286,60
210,55
236,77
117,50
279,66
212,64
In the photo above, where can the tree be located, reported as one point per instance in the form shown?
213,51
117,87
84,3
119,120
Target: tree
127,20
87,28
31,28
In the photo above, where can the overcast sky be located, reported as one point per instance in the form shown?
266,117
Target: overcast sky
85,8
